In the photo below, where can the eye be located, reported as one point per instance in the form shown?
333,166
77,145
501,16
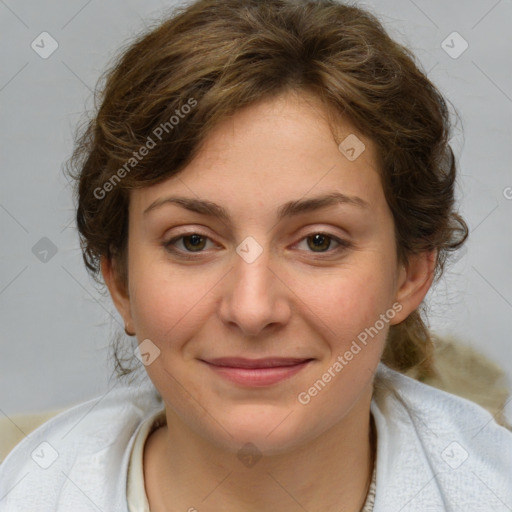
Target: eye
191,242
321,242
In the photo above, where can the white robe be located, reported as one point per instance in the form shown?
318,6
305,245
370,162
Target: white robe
435,452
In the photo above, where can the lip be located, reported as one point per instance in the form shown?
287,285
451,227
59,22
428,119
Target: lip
257,372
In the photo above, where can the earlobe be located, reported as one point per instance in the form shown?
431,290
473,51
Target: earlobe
118,291
414,282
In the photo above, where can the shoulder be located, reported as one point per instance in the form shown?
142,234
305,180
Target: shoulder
443,448
78,460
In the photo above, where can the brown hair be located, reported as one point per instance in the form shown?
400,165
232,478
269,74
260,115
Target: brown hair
214,57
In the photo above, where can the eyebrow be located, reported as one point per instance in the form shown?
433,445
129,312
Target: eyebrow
287,210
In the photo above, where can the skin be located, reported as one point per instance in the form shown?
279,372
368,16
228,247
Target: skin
294,300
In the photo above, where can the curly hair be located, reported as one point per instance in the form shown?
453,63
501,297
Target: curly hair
213,57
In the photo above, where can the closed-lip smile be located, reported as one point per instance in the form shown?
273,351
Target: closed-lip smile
257,372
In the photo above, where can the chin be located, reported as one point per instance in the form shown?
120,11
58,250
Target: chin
265,430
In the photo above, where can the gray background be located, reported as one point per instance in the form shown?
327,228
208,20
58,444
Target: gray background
54,325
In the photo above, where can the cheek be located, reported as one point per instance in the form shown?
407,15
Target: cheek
167,309
156,301
164,296
163,307
349,299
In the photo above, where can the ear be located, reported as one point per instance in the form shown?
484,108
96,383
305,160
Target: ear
117,290
413,283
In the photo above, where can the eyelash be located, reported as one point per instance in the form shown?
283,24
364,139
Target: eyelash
342,244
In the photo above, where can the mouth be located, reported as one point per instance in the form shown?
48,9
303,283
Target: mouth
256,372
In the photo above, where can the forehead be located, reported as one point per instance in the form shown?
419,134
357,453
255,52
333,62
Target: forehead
275,151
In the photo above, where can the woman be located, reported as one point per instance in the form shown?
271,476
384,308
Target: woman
267,193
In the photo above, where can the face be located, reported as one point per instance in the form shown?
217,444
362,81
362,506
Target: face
264,276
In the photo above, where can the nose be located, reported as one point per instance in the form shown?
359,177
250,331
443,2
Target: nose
255,299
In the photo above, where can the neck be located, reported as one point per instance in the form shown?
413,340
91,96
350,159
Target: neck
186,472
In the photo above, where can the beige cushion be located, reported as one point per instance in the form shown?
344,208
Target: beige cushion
466,372
16,427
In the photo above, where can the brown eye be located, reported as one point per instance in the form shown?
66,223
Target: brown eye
187,244
322,243
194,242
319,242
